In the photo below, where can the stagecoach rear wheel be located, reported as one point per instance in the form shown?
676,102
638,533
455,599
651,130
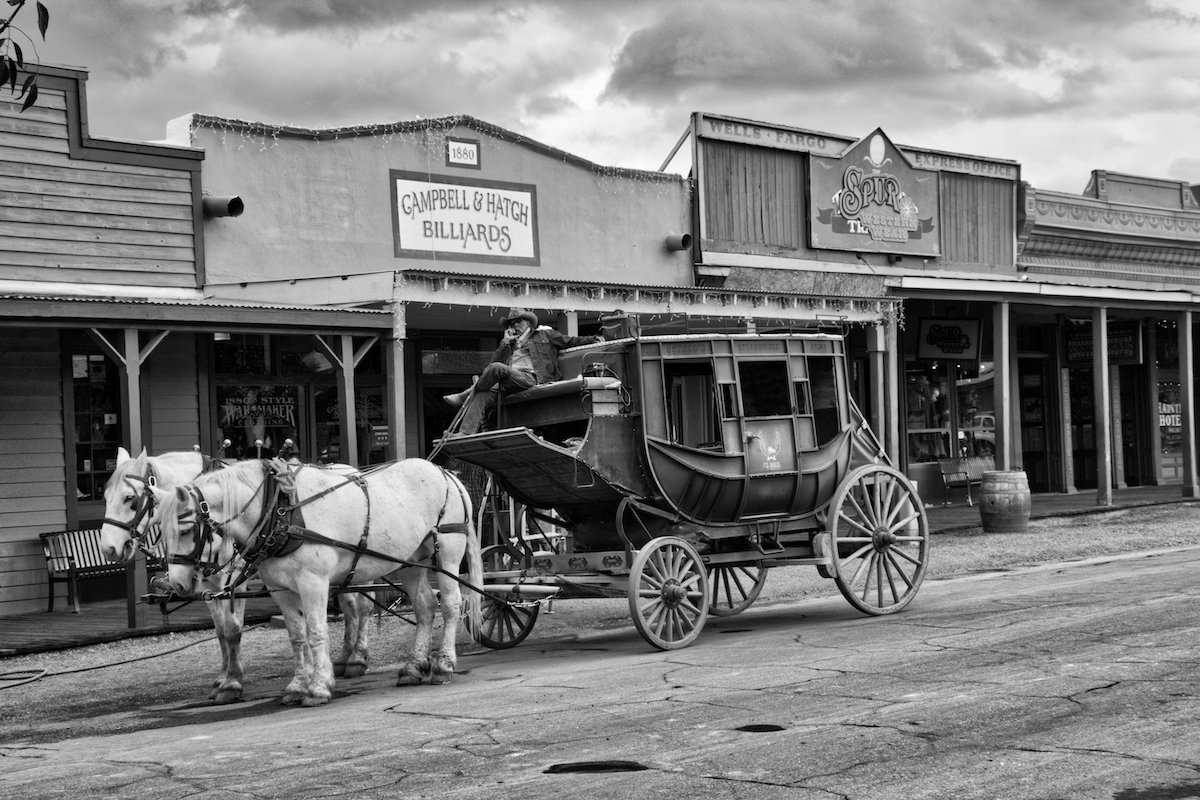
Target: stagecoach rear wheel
733,588
668,593
879,539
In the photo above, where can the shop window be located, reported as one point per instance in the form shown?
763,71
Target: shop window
98,428
257,419
242,354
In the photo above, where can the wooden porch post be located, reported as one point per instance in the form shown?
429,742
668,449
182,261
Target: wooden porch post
1102,407
393,351
1187,404
1001,383
895,359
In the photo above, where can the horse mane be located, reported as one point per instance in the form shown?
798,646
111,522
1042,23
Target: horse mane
227,481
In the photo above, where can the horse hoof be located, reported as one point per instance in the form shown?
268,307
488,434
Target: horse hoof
315,700
339,670
441,677
230,694
353,671
290,699
408,680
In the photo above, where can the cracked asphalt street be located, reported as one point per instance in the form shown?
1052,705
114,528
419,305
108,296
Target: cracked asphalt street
1061,663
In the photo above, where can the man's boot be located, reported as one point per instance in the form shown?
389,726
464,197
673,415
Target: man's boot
457,399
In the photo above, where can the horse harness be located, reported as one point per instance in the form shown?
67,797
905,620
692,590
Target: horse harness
145,502
280,529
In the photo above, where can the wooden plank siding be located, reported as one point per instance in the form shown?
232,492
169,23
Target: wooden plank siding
754,195
73,220
173,383
32,476
978,221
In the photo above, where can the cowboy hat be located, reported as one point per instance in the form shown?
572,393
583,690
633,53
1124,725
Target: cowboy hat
515,314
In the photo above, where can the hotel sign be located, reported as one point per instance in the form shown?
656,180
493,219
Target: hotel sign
460,219
872,200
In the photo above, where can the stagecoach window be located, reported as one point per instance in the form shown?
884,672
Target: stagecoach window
692,415
729,407
765,390
823,385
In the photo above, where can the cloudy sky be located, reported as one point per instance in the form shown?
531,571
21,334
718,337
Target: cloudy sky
1061,86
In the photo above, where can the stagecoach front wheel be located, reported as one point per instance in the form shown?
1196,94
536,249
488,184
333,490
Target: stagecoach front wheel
668,593
732,588
503,625
879,539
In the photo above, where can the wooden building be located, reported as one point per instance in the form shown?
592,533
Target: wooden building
1051,332
107,335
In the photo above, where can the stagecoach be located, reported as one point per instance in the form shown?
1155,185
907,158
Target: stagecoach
678,470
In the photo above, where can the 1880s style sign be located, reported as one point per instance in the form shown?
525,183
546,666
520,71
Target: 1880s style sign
871,199
448,217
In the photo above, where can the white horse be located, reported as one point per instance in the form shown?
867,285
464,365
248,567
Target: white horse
129,513
405,513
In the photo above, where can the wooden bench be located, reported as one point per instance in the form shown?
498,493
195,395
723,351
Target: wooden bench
72,556
965,472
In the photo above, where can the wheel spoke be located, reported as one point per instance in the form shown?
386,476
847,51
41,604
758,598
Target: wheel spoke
852,522
899,568
903,553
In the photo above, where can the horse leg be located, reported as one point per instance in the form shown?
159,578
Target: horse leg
450,550
356,614
416,669
293,619
314,602
227,621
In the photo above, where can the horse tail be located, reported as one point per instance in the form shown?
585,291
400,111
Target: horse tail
473,597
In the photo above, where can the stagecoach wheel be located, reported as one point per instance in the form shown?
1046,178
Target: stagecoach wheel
503,625
668,593
879,539
733,588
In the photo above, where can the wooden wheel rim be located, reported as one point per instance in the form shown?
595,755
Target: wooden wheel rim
879,539
732,589
668,593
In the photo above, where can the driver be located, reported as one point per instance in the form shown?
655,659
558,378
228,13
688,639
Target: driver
527,356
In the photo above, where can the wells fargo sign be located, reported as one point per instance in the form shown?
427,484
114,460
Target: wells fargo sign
447,217
871,199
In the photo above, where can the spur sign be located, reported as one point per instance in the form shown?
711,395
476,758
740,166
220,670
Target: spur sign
871,199
446,217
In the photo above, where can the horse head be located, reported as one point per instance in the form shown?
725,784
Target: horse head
128,506
202,522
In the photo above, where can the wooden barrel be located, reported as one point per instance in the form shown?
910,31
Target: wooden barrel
1004,501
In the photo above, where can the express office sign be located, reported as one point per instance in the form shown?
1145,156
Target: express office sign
871,199
452,218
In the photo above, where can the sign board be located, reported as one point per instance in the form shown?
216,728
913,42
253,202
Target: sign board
462,153
872,200
1124,343
953,339
460,219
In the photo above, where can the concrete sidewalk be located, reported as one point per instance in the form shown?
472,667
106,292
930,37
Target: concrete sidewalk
106,621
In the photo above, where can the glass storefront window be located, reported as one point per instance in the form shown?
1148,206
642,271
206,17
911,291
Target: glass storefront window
1169,418
939,427
257,419
927,406
97,423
